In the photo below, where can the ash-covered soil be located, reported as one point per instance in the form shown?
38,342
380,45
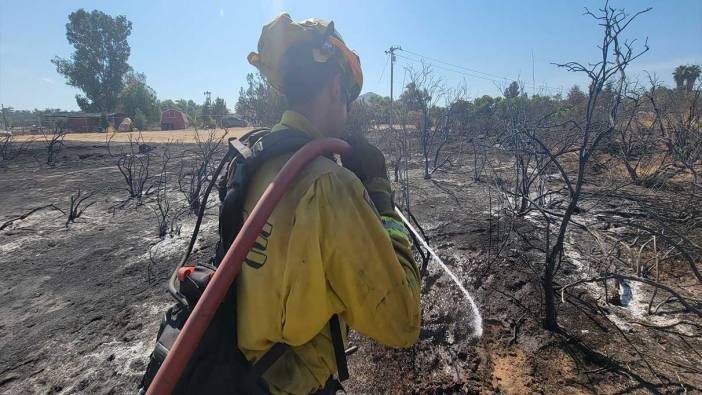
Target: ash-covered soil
82,303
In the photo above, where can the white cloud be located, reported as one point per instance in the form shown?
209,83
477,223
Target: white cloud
221,12
48,80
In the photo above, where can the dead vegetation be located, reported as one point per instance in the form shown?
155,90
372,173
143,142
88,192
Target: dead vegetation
20,217
194,171
575,220
194,166
610,249
167,214
53,138
134,164
77,206
10,148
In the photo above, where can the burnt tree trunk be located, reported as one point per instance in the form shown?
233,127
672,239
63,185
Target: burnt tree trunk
550,311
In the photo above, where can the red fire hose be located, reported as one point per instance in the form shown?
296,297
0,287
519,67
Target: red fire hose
189,337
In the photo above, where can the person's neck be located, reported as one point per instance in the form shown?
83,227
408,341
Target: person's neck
314,116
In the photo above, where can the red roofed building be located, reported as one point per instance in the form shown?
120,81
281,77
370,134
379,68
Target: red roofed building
173,120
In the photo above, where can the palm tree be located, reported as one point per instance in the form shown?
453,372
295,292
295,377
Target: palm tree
679,76
693,73
685,76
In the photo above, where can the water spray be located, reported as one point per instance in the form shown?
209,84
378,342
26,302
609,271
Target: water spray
477,319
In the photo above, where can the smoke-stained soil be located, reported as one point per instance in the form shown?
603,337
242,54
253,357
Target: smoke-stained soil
82,303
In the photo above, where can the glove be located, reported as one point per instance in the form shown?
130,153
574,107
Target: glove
368,164
366,160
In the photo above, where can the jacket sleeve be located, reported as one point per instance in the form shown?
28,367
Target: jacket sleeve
371,274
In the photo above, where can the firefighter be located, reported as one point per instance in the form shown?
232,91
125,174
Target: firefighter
334,244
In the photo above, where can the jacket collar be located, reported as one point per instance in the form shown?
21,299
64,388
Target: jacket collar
295,120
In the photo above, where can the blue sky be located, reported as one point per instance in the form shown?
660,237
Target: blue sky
186,48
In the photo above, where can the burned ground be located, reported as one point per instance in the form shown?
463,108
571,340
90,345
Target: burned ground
83,302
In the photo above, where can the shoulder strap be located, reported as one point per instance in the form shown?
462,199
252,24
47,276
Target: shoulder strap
249,154
339,351
278,349
261,144
274,144
264,363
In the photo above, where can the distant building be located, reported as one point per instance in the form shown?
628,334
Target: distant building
173,120
82,121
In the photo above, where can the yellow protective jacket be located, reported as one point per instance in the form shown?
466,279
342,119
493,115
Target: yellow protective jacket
325,250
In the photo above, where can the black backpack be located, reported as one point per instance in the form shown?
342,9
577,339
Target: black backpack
215,368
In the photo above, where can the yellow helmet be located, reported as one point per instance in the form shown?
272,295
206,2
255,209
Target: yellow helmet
326,44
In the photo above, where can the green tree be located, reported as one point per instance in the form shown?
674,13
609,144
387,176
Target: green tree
204,117
185,105
190,108
679,76
379,109
139,120
99,62
685,77
692,76
512,90
460,113
576,97
169,104
259,104
219,108
693,73
415,99
484,105
137,96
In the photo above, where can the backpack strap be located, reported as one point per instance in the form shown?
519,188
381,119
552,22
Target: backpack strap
278,349
339,351
264,363
240,149
249,154
275,144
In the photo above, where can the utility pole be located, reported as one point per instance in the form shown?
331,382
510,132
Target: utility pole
391,52
206,111
404,148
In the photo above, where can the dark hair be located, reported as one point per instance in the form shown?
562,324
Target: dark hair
302,77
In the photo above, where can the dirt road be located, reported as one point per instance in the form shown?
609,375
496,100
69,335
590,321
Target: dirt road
150,136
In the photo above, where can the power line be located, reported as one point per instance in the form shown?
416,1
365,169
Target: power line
470,72
448,69
463,73
460,67
408,66
382,74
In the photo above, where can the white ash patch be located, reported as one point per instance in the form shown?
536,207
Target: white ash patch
39,219
638,308
7,247
130,357
171,248
154,308
122,355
